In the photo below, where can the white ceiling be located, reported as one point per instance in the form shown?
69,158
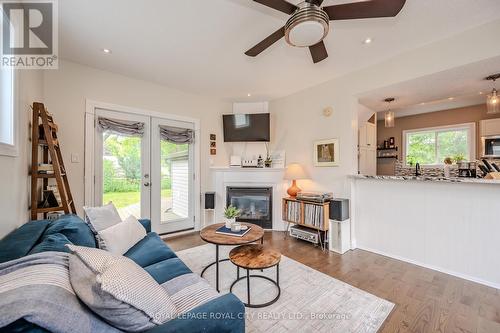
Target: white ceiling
455,88
198,45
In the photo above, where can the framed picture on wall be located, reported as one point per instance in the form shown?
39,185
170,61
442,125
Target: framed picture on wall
326,153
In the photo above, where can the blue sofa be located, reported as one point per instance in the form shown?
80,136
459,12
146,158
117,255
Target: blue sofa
151,253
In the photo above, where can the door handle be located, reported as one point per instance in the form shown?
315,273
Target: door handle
147,184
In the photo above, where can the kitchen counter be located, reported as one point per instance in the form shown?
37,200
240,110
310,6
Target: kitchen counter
430,179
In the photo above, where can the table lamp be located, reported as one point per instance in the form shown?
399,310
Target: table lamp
293,172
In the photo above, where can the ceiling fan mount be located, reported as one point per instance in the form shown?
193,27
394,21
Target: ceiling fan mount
309,23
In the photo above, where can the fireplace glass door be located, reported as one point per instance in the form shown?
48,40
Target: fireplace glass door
255,204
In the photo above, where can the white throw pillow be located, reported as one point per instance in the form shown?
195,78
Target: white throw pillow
102,217
122,236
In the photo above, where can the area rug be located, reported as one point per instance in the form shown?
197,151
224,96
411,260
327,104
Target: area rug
310,301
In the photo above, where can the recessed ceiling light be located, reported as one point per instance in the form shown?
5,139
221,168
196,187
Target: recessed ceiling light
480,93
249,95
451,98
107,51
423,103
368,40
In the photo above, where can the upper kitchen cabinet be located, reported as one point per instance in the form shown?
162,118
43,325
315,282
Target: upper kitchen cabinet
490,127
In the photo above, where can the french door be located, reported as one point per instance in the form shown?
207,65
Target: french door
172,178
122,169
143,175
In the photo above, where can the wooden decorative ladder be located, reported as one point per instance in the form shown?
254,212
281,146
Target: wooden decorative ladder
44,134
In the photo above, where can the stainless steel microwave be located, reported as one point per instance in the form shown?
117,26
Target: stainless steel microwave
491,146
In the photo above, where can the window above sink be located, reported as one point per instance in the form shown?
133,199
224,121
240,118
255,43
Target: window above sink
430,146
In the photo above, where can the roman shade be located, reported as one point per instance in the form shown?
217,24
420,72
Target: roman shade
121,127
176,135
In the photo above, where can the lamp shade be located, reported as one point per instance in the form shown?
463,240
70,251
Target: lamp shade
295,171
493,102
389,119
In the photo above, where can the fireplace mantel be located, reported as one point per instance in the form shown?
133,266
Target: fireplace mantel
222,177
240,169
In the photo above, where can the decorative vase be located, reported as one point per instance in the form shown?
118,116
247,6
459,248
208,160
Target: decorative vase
229,222
294,189
447,171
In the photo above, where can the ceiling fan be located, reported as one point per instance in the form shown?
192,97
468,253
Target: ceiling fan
309,23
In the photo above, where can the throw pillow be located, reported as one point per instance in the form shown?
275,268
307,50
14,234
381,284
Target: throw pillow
100,218
119,290
122,236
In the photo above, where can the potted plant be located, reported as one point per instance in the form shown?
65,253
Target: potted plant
411,160
459,158
268,162
231,213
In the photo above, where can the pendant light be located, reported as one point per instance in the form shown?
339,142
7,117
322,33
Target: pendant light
493,100
389,115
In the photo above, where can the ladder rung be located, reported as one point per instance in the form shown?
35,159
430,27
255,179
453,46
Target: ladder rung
49,209
53,175
45,143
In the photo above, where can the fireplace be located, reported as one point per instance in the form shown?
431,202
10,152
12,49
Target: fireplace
255,203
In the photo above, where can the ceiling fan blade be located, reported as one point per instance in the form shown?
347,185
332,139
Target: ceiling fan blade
315,2
318,52
281,5
273,38
366,9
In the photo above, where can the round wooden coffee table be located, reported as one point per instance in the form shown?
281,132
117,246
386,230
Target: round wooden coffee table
255,257
209,235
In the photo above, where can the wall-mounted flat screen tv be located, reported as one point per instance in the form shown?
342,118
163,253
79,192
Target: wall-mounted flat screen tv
246,127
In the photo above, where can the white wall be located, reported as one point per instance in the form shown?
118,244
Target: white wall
14,179
67,89
299,116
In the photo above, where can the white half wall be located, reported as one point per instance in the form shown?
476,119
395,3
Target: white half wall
450,227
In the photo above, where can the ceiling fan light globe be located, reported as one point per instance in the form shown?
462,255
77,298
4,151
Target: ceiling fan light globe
306,34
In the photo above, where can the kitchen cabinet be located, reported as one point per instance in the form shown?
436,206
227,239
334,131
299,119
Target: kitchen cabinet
368,135
367,161
367,149
490,127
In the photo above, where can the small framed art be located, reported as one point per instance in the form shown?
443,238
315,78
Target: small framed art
326,153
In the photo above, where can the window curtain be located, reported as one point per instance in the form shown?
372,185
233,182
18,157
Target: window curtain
121,127
176,135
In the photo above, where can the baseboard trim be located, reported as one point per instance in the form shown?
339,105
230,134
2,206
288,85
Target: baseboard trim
178,234
435,268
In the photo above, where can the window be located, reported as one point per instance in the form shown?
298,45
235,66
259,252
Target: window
431,146
7,115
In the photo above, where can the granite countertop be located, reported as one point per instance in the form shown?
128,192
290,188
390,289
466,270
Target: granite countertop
430,179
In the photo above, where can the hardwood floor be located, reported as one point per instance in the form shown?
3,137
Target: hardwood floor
426,300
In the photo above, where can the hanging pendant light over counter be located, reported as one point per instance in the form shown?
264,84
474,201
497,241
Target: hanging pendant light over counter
493,100
389,115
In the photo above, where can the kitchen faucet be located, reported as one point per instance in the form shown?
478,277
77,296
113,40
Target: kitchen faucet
417,170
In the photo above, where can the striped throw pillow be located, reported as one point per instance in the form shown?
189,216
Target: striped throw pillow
119,290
